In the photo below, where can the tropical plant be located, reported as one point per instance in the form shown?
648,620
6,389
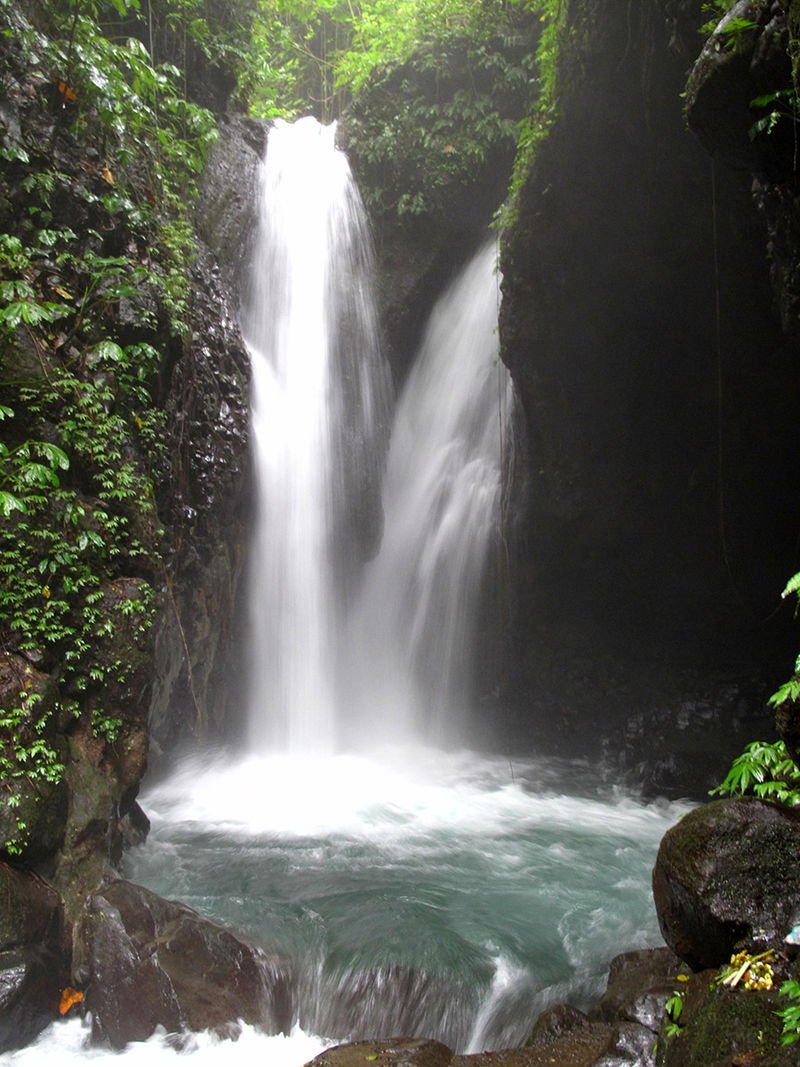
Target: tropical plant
765,770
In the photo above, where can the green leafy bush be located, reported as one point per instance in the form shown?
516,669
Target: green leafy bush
790,1015
764,770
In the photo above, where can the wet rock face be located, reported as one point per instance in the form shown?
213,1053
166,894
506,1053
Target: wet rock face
624,239
203,503
226,210
726,873
149,962
734,70
34,964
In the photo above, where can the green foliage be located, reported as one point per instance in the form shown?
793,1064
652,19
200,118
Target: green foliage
431,87
80,434
734,28
533,130
291,63
790,1015
673,1009
783,104
426,122
789,691
156,138
764,770
25,753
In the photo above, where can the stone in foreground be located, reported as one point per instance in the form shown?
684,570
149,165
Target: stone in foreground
728,872
152,962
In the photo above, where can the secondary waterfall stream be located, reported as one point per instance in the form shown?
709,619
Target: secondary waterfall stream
406,890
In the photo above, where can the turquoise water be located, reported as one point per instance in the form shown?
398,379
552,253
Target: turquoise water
419,893
416,893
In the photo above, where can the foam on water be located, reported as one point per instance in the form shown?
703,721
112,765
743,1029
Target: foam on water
395,792
67,1043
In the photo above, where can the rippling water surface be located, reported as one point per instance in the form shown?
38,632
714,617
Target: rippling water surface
419,893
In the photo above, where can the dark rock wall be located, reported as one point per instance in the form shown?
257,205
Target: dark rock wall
659,521
206,491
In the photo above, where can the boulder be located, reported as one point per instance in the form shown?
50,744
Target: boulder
556,1021
632,1046
409,1052
727,872
34,964
745,58
147,962
639,985
577,1048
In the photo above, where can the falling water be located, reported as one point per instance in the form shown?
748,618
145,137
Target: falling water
391,661
319,402
415,620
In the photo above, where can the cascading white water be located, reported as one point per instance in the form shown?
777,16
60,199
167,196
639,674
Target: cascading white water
392,662
318,411
413,629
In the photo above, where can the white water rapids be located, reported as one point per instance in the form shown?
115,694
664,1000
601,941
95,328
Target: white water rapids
407,890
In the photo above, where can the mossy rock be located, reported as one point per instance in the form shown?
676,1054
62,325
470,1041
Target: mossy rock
727,872
721,1027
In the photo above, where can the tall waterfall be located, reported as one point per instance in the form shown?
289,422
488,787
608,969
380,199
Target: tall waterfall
346,652
319,410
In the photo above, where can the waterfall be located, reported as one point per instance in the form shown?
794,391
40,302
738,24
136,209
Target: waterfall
342,651
414,627
320,395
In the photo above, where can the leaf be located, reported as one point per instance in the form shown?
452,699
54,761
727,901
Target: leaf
109,351
69,997
6,412
9,503
37,474
27,311
788,692
54,455
792,586
108,176
737,25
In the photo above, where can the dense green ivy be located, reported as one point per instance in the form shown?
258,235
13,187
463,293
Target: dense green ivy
97,183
